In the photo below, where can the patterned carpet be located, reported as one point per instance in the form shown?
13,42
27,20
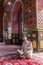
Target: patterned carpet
36,60
38,57
9,52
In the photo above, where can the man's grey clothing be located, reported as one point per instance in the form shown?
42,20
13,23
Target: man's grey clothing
27,47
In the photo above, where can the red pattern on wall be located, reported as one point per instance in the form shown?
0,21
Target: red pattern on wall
15,11
30,14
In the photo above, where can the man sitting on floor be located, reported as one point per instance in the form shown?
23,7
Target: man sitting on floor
27,49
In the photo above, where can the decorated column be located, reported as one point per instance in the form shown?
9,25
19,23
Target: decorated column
39,4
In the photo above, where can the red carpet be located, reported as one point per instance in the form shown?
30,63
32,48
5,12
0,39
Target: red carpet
19,62
36,60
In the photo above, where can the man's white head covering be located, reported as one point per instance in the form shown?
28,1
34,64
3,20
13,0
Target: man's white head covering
24,38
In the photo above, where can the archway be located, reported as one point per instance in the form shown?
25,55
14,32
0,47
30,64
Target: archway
17,17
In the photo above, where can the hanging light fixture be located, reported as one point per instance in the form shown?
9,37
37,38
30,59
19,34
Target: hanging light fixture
9,3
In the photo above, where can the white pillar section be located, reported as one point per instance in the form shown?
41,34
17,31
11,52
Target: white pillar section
37,12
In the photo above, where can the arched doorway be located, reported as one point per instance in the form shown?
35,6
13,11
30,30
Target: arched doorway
17,18
5,22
